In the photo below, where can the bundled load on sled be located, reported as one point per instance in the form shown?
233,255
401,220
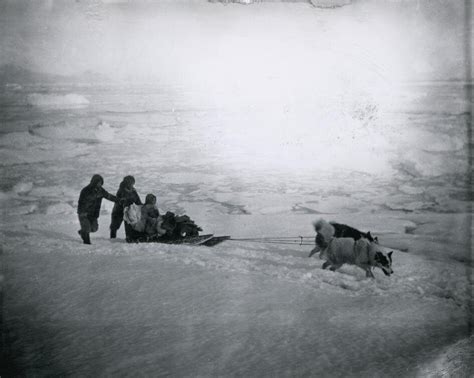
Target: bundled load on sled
168,228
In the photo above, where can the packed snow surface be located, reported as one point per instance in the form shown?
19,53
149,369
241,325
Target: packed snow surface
249,166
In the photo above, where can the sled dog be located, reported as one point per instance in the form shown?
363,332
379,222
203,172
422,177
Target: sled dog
345,231
337,230
336,251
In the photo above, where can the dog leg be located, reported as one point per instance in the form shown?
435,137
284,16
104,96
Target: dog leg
315,250
368,272
334,267
326,264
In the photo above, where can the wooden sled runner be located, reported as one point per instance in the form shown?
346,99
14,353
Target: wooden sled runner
208,240
215,240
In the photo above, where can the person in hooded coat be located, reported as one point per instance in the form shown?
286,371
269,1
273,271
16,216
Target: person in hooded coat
126,195
88,209
150,214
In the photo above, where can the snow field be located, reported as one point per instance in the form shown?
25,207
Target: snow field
113,308
416,275
251,309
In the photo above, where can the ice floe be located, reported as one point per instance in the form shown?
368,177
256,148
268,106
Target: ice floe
70,100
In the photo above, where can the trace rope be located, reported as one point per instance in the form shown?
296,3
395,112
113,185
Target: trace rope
294,240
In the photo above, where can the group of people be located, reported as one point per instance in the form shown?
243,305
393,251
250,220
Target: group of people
90,201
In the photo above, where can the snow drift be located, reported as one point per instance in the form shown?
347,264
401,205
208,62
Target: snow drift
70,100
78,130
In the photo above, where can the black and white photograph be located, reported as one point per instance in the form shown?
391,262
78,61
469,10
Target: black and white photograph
236,188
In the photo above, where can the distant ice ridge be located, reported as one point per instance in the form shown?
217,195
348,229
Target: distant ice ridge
41,141
13,87
26,197
75,130
70,100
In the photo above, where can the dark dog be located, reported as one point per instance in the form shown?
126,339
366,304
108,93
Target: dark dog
345,231
338,230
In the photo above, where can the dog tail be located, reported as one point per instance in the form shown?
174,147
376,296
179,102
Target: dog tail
325,232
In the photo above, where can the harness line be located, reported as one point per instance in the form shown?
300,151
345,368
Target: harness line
294,240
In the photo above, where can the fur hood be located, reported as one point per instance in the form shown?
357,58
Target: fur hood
127,183
96,180
150,199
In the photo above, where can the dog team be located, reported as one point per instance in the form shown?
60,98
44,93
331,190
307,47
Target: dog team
340,244
336,243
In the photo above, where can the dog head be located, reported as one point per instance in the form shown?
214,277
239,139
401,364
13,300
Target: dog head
384,262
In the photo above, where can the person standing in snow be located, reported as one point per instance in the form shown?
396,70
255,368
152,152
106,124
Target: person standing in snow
150,214
88,208
126,195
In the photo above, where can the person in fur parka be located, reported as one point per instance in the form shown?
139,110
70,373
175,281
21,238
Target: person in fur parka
150,214
126,195
88,208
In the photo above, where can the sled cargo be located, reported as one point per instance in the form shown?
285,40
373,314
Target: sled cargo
170,229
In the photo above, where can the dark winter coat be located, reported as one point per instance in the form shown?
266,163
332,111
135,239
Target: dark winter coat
150,211
126,195
150,216
91,196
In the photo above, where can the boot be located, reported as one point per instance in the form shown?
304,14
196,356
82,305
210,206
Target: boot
86,237
113,234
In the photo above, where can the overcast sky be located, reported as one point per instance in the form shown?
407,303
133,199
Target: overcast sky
208,44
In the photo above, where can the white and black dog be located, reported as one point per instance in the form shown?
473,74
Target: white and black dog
355,250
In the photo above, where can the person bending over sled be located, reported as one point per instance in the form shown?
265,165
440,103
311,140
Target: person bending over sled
126,195
88,208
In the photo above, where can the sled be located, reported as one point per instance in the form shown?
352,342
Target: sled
208,240
190,240
172,229
215,240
